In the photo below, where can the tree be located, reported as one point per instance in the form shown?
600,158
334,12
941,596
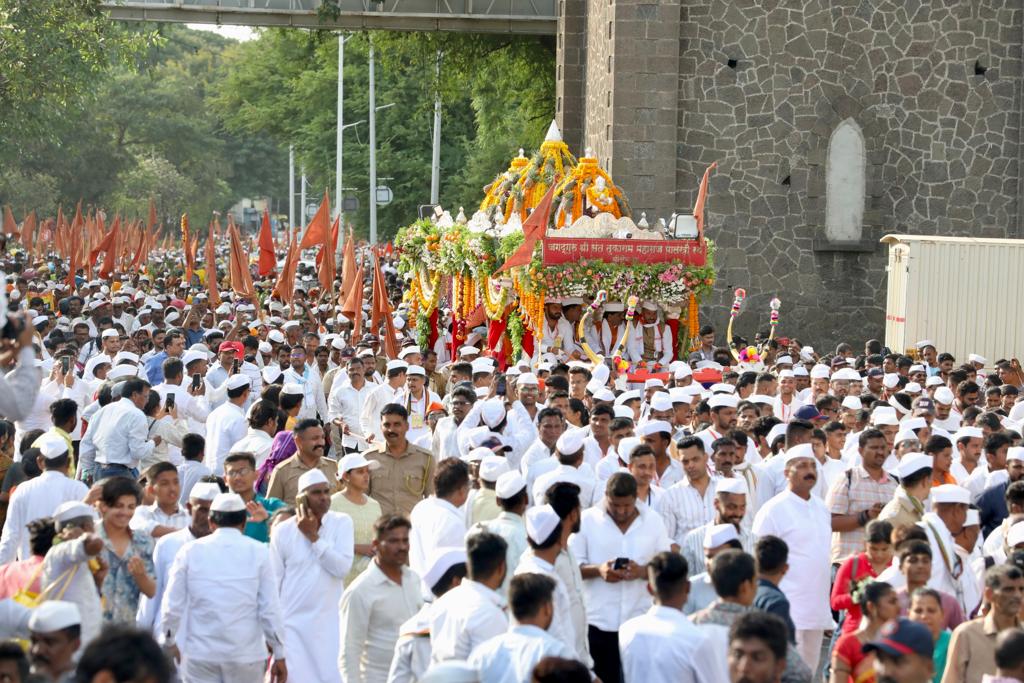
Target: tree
155,177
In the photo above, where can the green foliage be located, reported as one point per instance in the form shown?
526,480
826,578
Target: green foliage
496,91
156,177
51,52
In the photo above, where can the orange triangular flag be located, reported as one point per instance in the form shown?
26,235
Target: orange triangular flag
186,243
107,246
152,214
702,198
285,285
241,278
381,311
316,231
28,231
357,307
211,272
533,230
268,258
10,226
325,259
348,266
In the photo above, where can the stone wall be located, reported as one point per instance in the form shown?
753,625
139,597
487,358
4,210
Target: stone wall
932,87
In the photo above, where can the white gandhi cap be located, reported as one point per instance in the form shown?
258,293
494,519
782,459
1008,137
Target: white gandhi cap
509,484
540,522
227,502
54,615
720,534
312,478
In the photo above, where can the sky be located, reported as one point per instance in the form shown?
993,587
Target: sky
240,33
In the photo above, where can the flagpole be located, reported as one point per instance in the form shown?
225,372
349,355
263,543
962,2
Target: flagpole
339,143
291,187
435,161
373,152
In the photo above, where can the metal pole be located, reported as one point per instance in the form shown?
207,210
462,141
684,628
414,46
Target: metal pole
435,162
373,153
302,195
291,187
338,143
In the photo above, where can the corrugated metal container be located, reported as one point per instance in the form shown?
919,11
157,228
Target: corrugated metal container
962,293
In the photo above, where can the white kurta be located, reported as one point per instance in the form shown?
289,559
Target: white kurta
310,580
463,618
436,523
663,646
166,549
32,500
806,527
561,625
224,428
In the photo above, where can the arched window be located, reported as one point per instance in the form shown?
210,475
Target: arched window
845,184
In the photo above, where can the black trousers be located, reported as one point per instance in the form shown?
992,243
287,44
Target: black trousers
604,648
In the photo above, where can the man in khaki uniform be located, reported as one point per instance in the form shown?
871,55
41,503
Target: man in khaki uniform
309,440
406,474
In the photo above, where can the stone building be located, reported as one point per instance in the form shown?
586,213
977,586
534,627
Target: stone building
833,122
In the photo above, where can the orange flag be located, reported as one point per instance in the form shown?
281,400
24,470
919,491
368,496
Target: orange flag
211,272
10,226
152,214
353,303
285,285
357,308
348,266
318,228
107,246
268,259
702,198
241,278
533,230
325,259
186,242
28,231
381,311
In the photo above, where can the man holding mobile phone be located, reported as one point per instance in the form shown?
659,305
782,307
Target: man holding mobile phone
19,388
615,542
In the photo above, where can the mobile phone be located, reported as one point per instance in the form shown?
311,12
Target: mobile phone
302,502
234,367
65,364
620,563
502,387
169,403
197,379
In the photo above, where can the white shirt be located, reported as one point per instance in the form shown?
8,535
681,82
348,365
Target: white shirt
561,627
510,657
66,570
32,500
369,416
195,409
190,473
222,594
225,427
569,571
663,646
463,618
148,517
373,608
599,540
806,527
346,402
948,568
314,403
512,528
164,552
255,441
583,476
445,443
310,579
122,437
683,508
436,523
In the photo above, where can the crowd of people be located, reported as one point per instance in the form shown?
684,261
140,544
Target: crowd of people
251,491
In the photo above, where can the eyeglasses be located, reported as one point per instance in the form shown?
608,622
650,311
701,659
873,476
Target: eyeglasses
238,473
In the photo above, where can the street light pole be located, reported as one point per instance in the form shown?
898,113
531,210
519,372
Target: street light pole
435,162
302,195
291,187
339,144
373,152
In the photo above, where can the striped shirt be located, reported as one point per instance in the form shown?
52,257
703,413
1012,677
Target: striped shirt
692,547
850,495
684,509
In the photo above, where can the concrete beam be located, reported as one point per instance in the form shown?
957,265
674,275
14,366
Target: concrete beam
391,20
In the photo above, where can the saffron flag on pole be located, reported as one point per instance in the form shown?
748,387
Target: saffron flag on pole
284,288
702,198
268,259
325,259
241,278
319,226
211,271
382,311
10,225
533,230
186,242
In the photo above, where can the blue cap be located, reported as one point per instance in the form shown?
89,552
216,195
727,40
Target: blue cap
807,413
903,637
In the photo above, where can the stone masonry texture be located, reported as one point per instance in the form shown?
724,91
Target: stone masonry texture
759,86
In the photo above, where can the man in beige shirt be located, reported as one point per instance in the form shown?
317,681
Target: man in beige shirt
972,649
309,440
406,474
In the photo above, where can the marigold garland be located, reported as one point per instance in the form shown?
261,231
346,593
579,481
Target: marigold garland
494,303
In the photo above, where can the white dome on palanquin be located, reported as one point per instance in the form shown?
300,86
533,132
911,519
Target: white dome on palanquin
587,190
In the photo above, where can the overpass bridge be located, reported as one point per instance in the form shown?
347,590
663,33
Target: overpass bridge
530,17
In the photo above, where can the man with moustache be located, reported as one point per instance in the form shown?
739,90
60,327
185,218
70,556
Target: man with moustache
803,522
309,440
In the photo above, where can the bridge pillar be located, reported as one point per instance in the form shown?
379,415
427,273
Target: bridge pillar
571,65
629,95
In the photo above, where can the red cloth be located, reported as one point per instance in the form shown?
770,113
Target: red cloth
850,651
841,599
